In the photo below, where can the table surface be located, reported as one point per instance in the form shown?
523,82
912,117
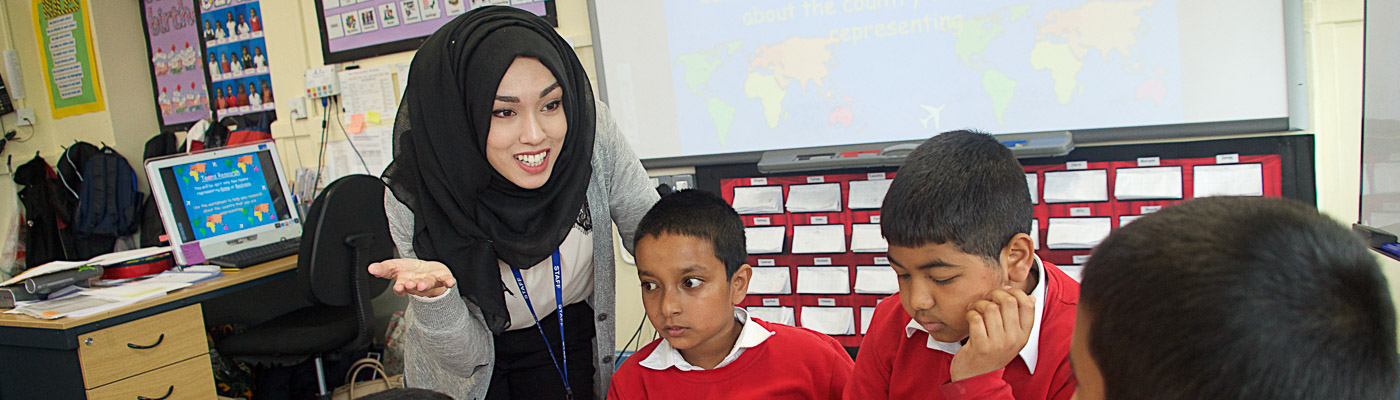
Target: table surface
229,279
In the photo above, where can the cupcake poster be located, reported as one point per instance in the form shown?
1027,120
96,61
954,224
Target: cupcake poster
173,39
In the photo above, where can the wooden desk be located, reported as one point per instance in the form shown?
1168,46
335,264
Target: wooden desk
88,357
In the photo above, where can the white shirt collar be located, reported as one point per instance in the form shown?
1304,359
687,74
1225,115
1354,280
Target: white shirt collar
1029,354
751,335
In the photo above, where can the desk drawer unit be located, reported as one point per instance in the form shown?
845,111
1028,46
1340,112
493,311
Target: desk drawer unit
190,379
122,351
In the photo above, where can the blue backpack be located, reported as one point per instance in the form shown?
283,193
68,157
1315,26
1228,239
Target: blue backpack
109,203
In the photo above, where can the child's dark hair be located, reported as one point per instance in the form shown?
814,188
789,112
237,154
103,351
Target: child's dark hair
1239,298
699,215
960,187
407,394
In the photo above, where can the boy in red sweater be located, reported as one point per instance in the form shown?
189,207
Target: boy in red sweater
691,261
1235,298
978,315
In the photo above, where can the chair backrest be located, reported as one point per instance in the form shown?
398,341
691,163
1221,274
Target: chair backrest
344,231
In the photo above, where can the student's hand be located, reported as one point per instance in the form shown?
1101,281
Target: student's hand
418,277
999,327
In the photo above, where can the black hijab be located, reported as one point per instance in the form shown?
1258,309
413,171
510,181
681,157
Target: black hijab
466,214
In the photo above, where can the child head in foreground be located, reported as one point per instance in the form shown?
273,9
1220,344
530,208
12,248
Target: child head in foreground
1234,298
957,219
691,259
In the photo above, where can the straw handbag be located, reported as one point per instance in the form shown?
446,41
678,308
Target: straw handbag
354,390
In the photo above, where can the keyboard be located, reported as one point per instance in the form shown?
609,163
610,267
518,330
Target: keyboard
257,255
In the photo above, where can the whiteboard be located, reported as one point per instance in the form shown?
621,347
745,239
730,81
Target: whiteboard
1380,125
707,77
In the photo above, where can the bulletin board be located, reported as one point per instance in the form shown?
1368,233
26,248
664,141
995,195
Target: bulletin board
240,70
173,41
208,59
358,29
63,29
1123,182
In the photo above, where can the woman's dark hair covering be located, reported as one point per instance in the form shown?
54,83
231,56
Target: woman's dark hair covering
466,214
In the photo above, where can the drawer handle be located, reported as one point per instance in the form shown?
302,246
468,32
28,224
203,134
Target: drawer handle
140,347
166,396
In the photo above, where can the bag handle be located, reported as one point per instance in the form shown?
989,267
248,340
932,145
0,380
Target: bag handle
362,364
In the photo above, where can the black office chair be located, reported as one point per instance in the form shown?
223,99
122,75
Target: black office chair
344,232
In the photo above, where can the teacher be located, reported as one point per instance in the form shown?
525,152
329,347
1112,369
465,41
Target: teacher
506,181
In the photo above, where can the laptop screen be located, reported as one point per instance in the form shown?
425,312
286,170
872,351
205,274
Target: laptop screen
225,195
222,201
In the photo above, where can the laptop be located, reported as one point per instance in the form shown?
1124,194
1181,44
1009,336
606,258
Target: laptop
228,207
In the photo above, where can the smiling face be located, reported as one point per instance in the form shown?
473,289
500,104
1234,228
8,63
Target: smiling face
687,297
527,124
937,282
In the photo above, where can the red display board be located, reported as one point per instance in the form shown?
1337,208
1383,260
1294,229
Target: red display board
861,304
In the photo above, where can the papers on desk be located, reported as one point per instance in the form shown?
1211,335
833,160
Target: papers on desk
829,320
822,197
136,291
1147,183
191,274
1077,233
813,239
764,240
71,306
824,280
865,314
777,315
866,238
1075,272
1076,186
1031,182
47,268
102,260
867,195
1227,180
770,280
758,200
879,279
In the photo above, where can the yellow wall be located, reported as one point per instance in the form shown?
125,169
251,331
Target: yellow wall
129,118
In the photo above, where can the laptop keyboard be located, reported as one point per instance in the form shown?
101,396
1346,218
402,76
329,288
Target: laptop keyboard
257,255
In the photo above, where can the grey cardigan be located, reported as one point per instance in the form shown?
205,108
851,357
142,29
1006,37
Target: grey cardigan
448,347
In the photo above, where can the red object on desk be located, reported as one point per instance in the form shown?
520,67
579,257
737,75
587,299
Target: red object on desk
139,267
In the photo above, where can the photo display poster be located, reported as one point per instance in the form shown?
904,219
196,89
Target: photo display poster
350,28
172,37
236,55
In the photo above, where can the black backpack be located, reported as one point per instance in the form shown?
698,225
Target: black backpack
109,204
70,171
161,145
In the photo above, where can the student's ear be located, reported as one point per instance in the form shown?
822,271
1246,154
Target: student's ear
739,284
1017,257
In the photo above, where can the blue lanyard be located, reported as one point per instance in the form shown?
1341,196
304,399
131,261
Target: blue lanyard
559,312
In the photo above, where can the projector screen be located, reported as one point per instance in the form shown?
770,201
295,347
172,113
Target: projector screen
1380,123
706,77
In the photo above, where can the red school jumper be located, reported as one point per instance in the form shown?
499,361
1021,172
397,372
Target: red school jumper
794,363
891,366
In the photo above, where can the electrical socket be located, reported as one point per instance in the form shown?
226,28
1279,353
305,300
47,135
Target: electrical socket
298,108
24,117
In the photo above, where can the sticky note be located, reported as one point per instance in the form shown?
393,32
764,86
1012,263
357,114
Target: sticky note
372,116
357,123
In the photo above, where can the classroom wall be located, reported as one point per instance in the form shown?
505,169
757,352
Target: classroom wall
126,123
1333,37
